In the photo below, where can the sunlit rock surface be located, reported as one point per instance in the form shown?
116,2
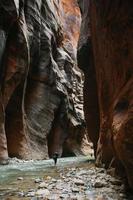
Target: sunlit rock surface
106,56
41,86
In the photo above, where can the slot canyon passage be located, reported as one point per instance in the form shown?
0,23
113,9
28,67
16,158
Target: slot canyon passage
66,79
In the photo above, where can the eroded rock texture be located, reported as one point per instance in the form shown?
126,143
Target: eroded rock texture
41,86
106,56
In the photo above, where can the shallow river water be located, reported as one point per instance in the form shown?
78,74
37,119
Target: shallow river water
72,178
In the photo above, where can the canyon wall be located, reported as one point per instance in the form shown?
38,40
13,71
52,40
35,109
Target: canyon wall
105,54
41,100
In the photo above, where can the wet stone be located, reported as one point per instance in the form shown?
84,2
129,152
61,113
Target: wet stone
115,182
73,169
122,188
101,170
99,184
42,192
30,194
31,190
65,191
78,182
20,178
34,198
122,195
43,185
50,187
38,180
53,180
82,172
75,189
64,196
21,194
48,177
73,197
59,187
103,197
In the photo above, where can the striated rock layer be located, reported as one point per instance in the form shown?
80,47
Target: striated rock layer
41,86
106,57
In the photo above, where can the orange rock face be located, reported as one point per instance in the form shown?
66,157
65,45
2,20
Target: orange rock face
112,54
71,21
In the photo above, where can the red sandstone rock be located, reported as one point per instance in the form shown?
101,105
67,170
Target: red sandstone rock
112,57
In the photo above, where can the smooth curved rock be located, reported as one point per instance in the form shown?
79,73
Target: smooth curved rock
111,39
41,99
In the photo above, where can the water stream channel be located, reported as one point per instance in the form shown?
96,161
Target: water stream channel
72,178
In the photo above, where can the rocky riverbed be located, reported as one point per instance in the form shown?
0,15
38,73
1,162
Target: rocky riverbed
71,179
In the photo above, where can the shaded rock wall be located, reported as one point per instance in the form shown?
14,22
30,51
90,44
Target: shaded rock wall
109,48
86,63
41,86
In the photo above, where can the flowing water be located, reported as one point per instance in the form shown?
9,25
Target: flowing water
72,178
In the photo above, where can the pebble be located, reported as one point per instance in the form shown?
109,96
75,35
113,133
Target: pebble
73,197
115,182
31,190
50,187
82,172
78,182
42,192
38,180
65,191
20,178
59,181
48,177
53,197
43,185
101,170
30,194
34,198
75,190
122,195
63,177
102,197
59,187
64,196
99,185
73,169
89,193
53,180
21,194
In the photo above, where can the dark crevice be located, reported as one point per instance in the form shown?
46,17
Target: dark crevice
122,105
